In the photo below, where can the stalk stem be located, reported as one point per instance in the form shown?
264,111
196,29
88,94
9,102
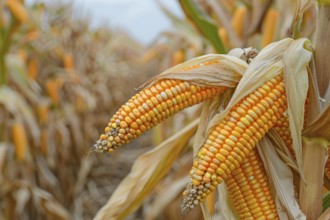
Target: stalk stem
322,47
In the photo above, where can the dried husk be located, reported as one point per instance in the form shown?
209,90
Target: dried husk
281,178
226,72
146,172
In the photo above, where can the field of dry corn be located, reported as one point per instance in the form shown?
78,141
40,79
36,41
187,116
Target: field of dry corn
252,146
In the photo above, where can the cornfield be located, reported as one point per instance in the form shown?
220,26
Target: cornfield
226,117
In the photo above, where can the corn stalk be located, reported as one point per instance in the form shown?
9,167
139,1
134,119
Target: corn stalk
314,150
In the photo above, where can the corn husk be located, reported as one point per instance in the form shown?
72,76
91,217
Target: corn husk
296,60
281,178
226,208
146,172
225,70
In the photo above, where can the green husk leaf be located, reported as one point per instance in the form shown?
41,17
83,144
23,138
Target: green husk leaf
207,27
326,201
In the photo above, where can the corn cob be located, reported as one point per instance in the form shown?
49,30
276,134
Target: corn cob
148,108
19,140
68,61
53,86
238,21
249,190
178,57
229,143
18,10
269,27
32,67
282,128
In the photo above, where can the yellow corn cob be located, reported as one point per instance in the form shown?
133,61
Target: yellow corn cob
238,20
228,145
68,61
178,57
283,130
18,10
32,68
148,108
222,33
32,35
43,113
269,27
249,190
19,140
53,88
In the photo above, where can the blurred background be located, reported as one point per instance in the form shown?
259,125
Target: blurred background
66,67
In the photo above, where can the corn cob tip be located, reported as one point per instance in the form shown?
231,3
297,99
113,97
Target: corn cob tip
103,145
193,195
150,107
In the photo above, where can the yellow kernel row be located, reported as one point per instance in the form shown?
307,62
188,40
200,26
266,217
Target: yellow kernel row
150,107
235,138
249,190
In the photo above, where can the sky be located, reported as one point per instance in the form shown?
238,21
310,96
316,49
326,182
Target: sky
142,19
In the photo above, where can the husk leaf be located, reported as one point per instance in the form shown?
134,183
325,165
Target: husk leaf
296,60
146,172
226,72
281,177
226,207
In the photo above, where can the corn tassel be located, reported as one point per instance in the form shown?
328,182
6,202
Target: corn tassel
148,108
249,190
19,140
230,142
18,10
269,27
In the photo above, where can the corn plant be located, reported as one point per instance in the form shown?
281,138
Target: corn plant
256,140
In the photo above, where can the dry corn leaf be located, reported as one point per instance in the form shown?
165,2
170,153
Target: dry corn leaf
281,178
166,198
296,60
51,207
207,70
22,197
226,207
223,18
146,172
3,153
320,127
259,9
20,109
